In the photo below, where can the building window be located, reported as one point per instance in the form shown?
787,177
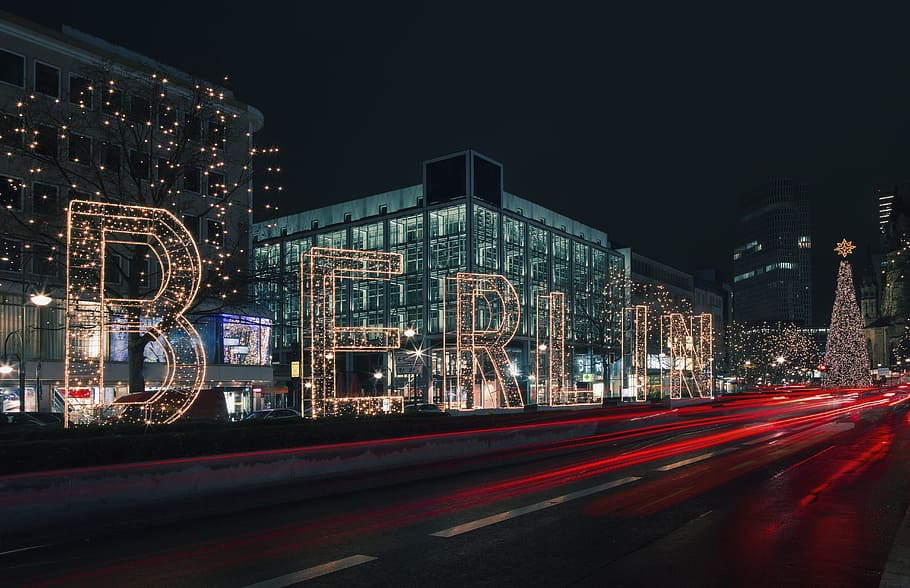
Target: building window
192,225
12,68
347,217
45,198
192,179
80,91
383,209
167,172
9,134
110,157
47,79
314,225
139,164
216,185
45,141
192,127
140,110
10,193
215,233
113,268
80,149
43,262
10,255
167,116
112,102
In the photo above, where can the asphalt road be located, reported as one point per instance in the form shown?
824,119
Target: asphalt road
776,500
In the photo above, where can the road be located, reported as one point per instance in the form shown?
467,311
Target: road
782,492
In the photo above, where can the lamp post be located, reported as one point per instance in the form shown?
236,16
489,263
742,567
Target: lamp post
39,300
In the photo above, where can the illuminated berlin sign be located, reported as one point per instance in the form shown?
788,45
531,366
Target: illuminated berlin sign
93,312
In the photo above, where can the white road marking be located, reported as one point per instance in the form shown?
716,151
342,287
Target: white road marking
511,514
696,459
765,438
21,549
314,572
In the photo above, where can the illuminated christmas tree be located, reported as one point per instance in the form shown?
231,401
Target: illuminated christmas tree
845,354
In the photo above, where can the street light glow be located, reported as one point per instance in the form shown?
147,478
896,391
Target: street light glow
40,299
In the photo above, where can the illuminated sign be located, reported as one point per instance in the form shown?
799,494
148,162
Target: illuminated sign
91,228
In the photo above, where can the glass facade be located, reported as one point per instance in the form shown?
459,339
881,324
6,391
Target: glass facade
436,241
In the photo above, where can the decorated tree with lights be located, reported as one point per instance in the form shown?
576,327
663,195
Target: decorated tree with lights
845,354
144,139
770,352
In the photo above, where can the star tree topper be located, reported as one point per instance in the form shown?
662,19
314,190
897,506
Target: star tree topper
845,247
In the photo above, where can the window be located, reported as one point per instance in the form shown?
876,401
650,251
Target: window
10,193
12,68
216,185
110,157
112,268
112,101
314,225
215,233
167,116
216,134
47,79
347,217
80,91
43,261
192,179
383,209
9,134
80,149
10,255
192,225
139,164
192,127
45,198
45,141
140,110
167,172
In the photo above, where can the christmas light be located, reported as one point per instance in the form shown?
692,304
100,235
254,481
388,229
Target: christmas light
92,314
690,352
487,315
846,353
321,267
551,345
637,318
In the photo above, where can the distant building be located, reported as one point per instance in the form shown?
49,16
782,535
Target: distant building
772,256
885,291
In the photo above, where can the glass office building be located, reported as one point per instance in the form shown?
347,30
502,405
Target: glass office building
458,220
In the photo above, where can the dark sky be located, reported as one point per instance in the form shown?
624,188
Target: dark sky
647,121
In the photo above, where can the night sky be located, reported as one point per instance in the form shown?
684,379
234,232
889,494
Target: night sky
646,121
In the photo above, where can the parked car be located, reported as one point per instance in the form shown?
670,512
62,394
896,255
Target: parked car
421,409
274,415
31,419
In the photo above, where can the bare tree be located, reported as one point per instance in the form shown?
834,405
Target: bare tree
138,139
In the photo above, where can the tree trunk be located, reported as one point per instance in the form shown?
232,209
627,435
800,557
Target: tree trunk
136,351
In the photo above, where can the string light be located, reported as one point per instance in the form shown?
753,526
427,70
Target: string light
489,300
637,318
690,352
321,267
845,352
551,341
92,314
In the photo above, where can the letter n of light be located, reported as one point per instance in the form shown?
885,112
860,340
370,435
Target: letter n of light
93,312
488,312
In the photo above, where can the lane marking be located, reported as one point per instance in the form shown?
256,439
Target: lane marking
799,463
511,514
741,465
21,549
763,439
314,572
696,459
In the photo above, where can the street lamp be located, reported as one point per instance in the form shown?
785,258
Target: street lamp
39,299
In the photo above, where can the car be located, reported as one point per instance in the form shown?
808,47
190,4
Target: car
273,415
422,409
31,419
